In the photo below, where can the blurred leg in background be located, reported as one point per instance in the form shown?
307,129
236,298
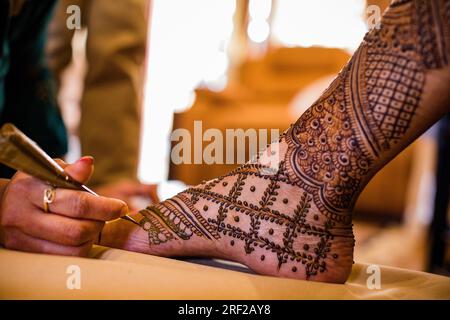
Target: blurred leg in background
109,126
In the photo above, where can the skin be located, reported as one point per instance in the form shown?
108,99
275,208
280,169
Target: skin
73,223
289,214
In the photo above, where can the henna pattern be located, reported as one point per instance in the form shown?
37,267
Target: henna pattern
325,155
295,214
289,224
368,108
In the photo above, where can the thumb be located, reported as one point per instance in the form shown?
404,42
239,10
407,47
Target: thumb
81,170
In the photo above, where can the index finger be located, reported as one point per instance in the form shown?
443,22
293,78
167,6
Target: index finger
79,204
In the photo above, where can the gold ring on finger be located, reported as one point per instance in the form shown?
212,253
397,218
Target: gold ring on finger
49,197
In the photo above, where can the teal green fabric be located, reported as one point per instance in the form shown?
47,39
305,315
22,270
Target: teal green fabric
27,87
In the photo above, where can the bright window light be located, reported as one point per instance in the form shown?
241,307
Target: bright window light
327,23
259,9
258,30
188,44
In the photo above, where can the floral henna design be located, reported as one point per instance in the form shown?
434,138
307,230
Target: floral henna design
369,107
300,214
325,156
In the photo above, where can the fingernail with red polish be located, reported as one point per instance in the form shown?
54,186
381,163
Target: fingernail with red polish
88,160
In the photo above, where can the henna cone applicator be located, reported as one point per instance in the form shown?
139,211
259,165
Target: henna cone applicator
19,152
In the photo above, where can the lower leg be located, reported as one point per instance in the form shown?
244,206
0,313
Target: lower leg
292,217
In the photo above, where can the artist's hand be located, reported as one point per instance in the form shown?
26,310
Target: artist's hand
125,190
74,220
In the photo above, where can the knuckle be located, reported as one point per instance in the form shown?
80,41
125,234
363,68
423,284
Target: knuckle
19,185
116,209
79,204
11,242
8,218
20,190
76,234
83,250
19,176
109,209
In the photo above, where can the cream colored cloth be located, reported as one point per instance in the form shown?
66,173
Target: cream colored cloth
118,274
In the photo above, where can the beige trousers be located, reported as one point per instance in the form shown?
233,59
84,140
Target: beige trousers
110,105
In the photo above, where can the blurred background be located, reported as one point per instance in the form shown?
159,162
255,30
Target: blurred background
259,64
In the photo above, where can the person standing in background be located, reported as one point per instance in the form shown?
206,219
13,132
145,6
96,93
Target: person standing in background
35,216
27,93
109,128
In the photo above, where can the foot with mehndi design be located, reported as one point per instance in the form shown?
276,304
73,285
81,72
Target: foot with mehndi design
292,217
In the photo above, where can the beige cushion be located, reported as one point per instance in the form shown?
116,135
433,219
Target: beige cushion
117,274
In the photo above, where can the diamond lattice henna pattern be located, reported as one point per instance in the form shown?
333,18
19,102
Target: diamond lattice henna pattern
240,221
